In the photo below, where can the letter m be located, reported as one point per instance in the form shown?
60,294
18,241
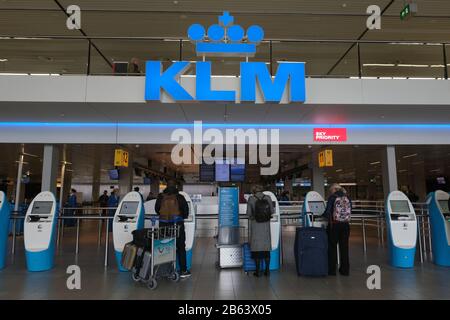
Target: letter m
156,80
290,76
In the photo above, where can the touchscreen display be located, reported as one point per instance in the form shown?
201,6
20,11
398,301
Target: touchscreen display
444,206
316,207
129,207
42,207
399,206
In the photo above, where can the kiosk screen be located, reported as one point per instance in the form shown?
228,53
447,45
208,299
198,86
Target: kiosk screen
400,206
42,207
317,207
444,206
129,208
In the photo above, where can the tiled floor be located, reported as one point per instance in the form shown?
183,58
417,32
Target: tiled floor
425,281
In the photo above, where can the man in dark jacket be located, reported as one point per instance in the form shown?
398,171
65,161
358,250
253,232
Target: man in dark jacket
183,213
338,212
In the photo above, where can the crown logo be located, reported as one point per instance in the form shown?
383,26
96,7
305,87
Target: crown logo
225,38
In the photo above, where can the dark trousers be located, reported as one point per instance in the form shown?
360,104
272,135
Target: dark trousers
338,234
181,244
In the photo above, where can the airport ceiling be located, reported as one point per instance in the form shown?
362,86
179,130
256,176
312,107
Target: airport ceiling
281,19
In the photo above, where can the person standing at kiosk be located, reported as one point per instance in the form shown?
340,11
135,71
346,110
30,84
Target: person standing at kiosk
260,210
338,212
172,205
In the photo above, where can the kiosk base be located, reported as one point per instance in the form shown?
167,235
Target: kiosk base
119,261
402,258
39,260
274,259
440,260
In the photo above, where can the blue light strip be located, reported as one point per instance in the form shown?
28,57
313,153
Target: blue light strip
229,125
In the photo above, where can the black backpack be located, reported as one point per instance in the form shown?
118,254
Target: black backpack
262,210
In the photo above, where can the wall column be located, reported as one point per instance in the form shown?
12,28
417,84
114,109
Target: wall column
318,179
50,166
389,169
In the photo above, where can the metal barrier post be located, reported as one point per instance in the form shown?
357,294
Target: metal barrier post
100,227
13,247
106,242
58,226
420,241
363,225
78,236
429,237
423,239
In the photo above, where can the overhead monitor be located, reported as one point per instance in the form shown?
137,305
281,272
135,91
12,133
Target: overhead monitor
207,172
114,174
222,171
237,172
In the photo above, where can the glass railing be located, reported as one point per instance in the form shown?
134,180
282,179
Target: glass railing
59,55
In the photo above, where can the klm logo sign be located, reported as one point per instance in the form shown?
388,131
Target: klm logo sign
226,39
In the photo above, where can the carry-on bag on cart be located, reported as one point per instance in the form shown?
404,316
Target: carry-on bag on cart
129,255
142,238
311,251
144,270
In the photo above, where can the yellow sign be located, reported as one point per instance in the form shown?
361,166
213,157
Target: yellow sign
120,158
321,159
326,158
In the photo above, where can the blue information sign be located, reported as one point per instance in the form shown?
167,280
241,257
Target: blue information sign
229,207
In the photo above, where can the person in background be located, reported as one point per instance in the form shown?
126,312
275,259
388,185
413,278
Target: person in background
285,198
338,212
133,67
150,196
169,205
113,202
136,189
260,240
72,204
410,194
103,202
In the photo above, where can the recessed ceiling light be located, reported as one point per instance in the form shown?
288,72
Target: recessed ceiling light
3,60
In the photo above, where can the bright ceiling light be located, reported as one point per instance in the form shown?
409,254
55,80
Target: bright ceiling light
374,163
378,65
3,59
410,155
413,65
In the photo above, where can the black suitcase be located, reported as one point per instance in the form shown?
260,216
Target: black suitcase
311,251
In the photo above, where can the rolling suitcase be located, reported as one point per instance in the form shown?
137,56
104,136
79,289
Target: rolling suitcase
144,270
311,251
129,255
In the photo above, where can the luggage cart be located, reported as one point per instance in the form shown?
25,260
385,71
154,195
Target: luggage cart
162,256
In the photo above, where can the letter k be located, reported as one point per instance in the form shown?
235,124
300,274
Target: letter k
155,80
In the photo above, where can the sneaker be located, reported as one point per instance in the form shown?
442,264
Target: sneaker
185,274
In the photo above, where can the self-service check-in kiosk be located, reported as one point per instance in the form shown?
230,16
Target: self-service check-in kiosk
189,224
275,233
5,211
39,232
402,230
440,227
129,216
313,210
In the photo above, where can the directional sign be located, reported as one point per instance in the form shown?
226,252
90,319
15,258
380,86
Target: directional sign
326,158
121,158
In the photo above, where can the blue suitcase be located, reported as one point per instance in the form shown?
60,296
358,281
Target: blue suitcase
249,263
311,251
